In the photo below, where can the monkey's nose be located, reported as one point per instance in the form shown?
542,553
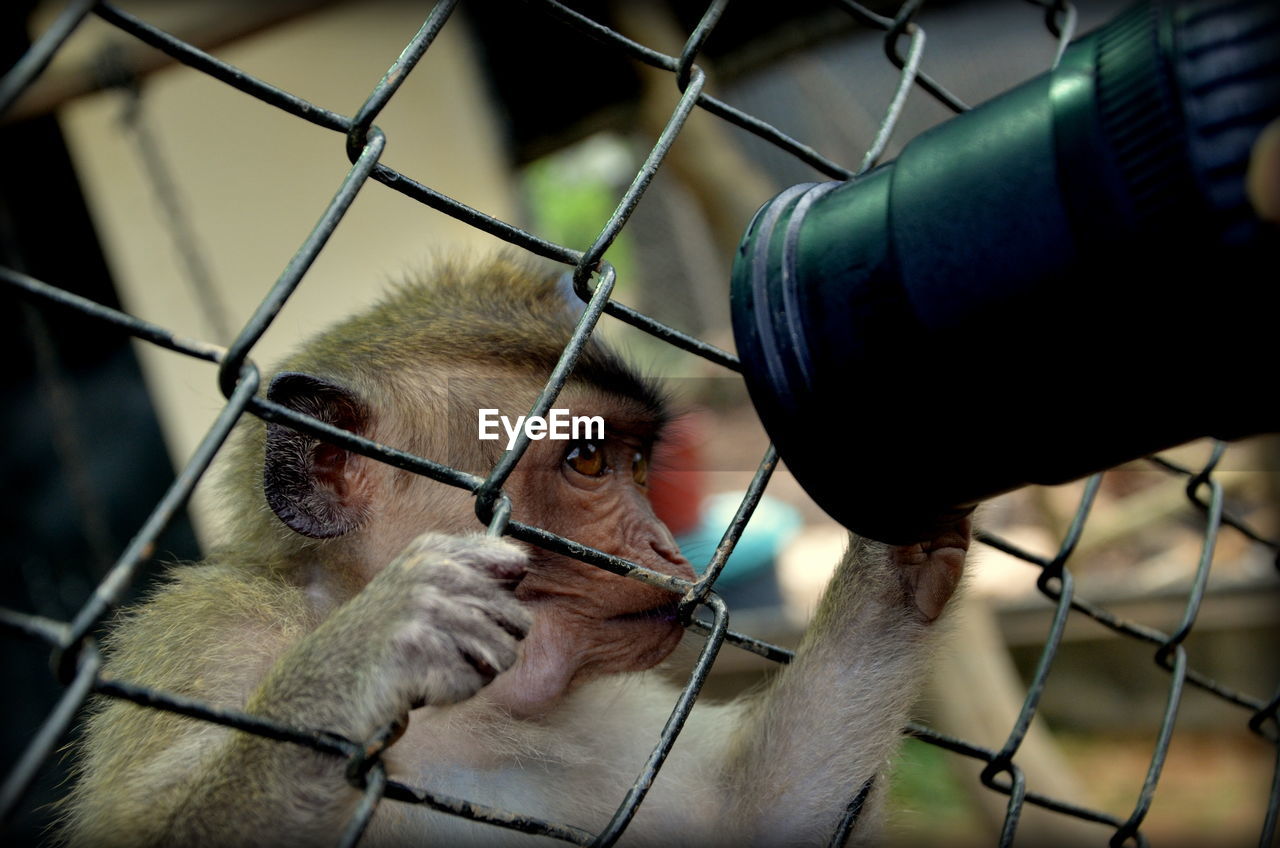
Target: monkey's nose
670,552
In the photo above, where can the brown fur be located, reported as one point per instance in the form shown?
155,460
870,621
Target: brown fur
350,633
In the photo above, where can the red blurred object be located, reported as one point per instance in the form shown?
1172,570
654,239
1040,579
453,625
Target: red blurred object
677,482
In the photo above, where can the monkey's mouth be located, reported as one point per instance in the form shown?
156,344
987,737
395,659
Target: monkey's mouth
667,613
653,633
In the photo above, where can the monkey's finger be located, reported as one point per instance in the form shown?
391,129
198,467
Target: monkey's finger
489,630
514,619
487,659
482,666
501,607
497,558
458,664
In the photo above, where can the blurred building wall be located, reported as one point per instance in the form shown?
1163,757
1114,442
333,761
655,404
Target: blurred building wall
253,180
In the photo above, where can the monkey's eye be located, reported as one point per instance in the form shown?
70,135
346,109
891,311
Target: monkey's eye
586,458
640,469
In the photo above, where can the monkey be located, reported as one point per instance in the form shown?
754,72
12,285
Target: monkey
345,595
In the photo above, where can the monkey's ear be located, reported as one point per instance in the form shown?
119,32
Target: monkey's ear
318,489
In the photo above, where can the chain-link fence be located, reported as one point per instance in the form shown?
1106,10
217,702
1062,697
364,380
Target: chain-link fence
76,659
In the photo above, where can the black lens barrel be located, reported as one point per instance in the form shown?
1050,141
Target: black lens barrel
1062,279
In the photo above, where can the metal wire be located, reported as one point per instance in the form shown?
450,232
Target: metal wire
76,660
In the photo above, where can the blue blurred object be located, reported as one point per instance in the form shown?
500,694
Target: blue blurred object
749,578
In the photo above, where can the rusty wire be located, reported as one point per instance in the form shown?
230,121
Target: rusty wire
77,663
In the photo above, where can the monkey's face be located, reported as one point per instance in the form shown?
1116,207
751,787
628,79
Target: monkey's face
592,489
588,621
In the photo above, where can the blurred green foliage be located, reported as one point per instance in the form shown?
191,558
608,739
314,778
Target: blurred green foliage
571,194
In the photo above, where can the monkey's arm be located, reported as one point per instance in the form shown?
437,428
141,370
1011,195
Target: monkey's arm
209,634
831,719
433,627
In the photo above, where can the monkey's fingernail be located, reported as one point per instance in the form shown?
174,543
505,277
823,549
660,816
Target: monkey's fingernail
482,667
397,730
512,584
508,572
515,631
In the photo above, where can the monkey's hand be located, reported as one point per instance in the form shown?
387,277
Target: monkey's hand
458,621
433,627
930,571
